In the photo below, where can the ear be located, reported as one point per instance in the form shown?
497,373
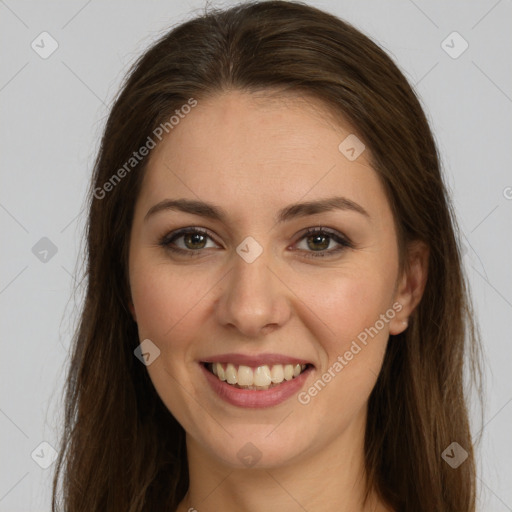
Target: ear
411,285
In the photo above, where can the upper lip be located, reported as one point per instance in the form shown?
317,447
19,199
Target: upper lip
255,360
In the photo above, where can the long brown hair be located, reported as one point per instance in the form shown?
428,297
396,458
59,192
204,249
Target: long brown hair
121,448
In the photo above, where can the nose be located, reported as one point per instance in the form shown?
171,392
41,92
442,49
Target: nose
253,298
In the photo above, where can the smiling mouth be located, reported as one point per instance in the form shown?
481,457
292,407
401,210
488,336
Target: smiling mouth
257,378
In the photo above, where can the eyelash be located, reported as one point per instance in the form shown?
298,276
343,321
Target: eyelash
343,242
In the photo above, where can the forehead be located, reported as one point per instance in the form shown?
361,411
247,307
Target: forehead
253,126
274,147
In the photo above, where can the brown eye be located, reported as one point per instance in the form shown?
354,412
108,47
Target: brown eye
190,241
318,240
194,240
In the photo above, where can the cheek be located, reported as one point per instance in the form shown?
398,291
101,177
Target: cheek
354,353
348,303
162,298
351,306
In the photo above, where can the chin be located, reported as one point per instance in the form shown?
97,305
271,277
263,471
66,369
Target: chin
260,446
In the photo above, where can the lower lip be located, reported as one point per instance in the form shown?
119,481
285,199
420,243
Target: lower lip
252,398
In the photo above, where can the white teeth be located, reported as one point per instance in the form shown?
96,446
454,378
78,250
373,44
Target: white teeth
259,378
262,376
277,373
245,375
231,374
288,372
220,371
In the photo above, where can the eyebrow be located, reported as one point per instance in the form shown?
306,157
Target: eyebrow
292,211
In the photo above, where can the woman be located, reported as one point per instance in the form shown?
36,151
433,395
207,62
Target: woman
276,317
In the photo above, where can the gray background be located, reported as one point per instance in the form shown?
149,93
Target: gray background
52,114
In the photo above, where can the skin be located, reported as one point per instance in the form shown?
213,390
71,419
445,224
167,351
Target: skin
253,155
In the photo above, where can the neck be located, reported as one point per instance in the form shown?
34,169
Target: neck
328,477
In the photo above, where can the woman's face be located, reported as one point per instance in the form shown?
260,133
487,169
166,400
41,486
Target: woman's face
254,289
